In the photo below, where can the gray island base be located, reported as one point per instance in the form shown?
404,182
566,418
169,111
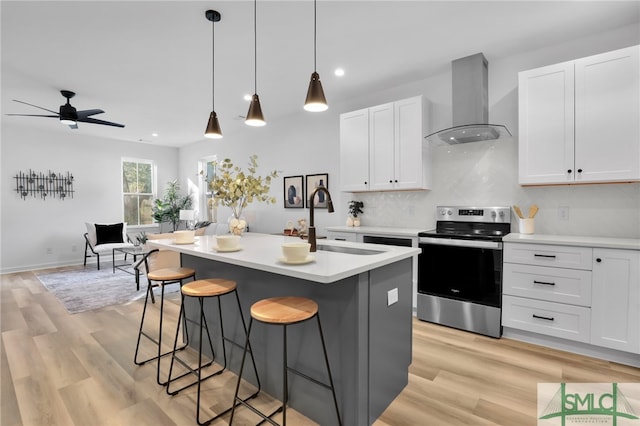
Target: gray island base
368,336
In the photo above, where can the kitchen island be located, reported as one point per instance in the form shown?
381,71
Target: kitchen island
364,296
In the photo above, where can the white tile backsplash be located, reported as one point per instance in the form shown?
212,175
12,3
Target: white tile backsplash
486,173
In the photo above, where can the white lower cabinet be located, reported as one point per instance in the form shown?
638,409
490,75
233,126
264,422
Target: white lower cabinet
615,309
553,319
589,295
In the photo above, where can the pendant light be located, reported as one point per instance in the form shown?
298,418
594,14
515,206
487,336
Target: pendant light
254,116
315,95
213,127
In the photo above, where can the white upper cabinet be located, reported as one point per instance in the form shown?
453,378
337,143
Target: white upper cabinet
579,121
354,150
390,153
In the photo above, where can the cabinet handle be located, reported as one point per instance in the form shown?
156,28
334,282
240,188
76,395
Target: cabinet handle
365,182
569,171
543,283
543,318
579,170
598,260
549,256
390,181
340,239
396,181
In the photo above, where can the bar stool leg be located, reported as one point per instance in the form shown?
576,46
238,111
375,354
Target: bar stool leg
204,325
326,360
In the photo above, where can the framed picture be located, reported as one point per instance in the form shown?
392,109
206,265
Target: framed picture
314,181
293,192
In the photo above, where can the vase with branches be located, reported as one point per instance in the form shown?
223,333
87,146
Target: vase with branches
236,188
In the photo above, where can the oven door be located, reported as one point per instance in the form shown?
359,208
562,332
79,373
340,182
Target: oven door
466,270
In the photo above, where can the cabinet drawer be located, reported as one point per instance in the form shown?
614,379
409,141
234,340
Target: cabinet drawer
342,236
549,255
551,284
553,319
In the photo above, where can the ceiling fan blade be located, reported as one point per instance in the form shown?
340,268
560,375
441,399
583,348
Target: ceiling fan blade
35,115
96,121
87,112
36,106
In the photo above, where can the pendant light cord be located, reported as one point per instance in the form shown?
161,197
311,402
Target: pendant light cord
213,65
255,48
314,37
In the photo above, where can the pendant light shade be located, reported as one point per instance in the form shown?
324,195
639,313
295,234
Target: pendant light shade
315,101
315,95
213,126
254,116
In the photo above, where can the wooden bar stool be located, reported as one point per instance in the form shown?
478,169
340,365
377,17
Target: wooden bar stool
285,311
160,273
203,289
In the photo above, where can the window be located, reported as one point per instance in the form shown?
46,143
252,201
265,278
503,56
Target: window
138,182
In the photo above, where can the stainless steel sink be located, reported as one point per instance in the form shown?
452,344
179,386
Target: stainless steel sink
348,250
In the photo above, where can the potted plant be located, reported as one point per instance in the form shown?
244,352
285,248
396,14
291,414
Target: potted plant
168,208
355,208
235,188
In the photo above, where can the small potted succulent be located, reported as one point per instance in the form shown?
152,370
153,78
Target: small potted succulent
355,208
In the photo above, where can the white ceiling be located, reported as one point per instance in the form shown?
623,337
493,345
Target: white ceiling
148,63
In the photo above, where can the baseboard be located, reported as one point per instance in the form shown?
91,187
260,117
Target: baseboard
607,354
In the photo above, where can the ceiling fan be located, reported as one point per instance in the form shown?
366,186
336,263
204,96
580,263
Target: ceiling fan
69,115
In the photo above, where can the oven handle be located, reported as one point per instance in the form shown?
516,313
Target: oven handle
496,245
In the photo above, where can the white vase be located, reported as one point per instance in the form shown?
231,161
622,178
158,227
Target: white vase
356,222
349,221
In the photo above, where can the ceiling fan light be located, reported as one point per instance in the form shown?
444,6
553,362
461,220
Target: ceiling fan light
67,121
316,101
254,116
213,127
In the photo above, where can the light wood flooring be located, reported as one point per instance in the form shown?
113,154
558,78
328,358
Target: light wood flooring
62,369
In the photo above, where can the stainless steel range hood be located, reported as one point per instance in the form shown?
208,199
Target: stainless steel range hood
470,105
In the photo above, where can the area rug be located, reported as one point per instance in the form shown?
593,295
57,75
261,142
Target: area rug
86,289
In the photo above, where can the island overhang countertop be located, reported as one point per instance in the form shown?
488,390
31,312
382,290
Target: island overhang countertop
263,252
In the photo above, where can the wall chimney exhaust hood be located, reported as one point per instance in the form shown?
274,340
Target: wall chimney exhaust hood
470,105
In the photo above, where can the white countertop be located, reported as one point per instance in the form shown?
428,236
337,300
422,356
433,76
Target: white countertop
573,240
378,230
262,252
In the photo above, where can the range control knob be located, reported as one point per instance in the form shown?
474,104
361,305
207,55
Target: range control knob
449,212
493,214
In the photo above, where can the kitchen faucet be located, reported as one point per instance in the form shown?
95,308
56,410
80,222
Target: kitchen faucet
312,229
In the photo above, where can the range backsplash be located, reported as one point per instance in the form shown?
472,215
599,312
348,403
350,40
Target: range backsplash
486,173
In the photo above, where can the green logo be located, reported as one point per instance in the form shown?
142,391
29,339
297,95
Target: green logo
588,407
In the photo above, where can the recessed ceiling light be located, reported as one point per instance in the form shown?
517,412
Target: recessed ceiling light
339,72
247,97
155,135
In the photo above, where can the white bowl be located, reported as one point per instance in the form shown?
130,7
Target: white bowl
228,242
295,252
184,237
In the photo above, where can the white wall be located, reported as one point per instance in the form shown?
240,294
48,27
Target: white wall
481,173
31,226
307,143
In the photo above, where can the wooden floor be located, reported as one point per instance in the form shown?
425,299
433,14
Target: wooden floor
62,369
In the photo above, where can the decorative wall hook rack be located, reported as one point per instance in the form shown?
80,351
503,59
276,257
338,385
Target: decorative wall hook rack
44,184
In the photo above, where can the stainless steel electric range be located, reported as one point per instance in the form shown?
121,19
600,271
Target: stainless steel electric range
460,268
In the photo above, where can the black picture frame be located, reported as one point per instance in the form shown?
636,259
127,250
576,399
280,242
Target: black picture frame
312,182
293,190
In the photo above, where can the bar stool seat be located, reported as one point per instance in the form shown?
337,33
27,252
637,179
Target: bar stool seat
160,276
285,311
171,274
203,289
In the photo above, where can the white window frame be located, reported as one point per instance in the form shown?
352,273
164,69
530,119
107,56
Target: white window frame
154,186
